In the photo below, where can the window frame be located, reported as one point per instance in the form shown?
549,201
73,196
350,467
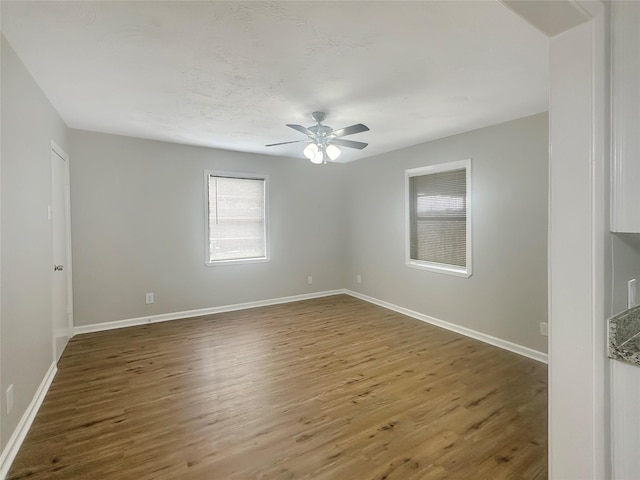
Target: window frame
207,233
448,269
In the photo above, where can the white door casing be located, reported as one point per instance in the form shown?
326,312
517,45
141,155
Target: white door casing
579,411
578,229
62,304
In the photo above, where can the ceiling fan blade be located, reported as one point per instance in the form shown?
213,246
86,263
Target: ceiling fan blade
300,128
284,143
349,143
357,128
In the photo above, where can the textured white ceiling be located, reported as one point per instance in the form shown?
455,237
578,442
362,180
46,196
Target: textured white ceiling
231,74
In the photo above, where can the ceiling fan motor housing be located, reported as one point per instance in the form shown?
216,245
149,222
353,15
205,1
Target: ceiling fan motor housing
318,116
321,133
323,139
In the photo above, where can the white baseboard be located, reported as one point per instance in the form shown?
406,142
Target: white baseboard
164,317
483,337
13,445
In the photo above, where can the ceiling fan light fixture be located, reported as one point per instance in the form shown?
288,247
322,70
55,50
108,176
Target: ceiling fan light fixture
321,138
314,153
333,152
311,151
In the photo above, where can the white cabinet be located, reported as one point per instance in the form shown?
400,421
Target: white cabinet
625,117
625,398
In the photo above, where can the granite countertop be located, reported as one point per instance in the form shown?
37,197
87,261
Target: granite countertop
624,336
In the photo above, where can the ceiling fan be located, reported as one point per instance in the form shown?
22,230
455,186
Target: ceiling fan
323,139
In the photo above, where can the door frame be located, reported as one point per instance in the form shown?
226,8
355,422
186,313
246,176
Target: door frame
57,150
579,410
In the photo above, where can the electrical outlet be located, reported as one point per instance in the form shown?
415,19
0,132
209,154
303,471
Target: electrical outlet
9,398
309,279
148,298
631,293
544,329
358,278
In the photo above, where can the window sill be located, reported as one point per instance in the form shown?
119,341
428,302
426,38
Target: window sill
440,268
239,261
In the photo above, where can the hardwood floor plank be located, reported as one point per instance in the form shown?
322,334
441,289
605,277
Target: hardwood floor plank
330,388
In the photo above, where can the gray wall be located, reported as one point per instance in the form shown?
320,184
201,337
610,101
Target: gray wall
138,210
29,123
138,226
507,294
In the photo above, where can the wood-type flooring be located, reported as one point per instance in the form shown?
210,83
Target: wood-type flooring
327,389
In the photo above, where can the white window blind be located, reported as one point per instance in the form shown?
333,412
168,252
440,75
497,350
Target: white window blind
237,218
438,227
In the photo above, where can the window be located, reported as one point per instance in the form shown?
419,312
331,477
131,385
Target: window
439,218
236,218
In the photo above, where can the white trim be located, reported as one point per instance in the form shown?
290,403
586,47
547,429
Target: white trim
165,317
59,151
236,261
439,268
467,332
578,166
55,148
465,271
2,405
15,441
